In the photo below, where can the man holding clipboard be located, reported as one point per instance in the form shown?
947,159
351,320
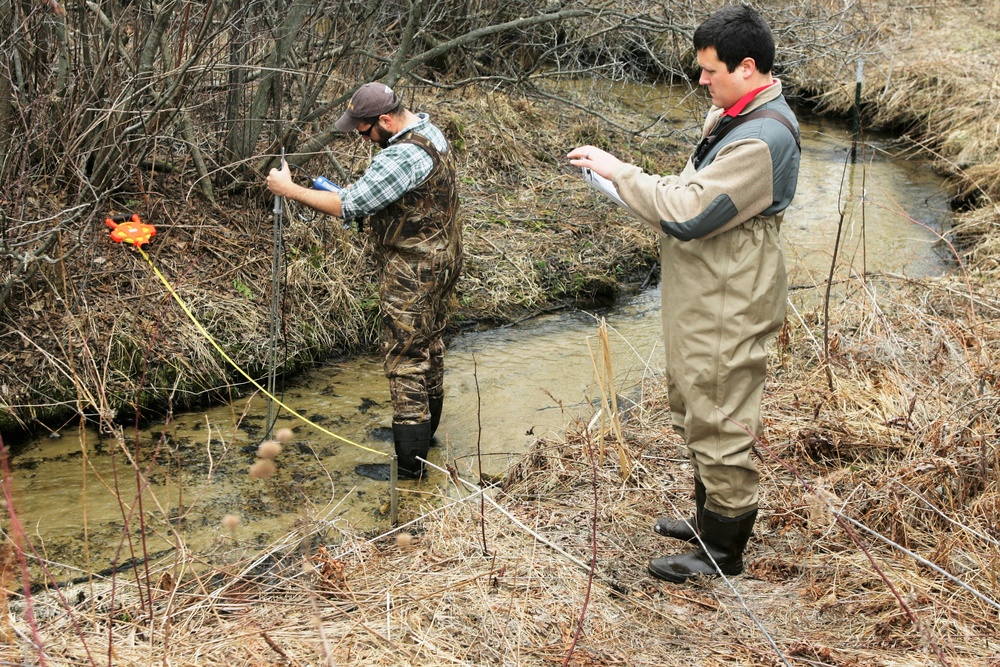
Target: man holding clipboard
723,285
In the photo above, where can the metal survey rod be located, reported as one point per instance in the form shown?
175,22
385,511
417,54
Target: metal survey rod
393,490
275,314
857,109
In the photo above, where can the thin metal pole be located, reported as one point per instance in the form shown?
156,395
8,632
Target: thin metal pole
857,109
393,490
275,314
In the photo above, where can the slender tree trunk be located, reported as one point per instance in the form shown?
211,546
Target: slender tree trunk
405,42
267,96
6,90
235,144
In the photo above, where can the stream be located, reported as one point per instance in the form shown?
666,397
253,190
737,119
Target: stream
504,389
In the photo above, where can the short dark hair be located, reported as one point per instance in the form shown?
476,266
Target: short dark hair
395,111
737,32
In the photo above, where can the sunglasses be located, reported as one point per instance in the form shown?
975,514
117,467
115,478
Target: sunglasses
365,133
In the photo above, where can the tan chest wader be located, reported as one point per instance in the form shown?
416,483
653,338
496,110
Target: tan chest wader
723,301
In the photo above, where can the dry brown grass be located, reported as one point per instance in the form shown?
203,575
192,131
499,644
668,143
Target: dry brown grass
879,537
932,73
878,542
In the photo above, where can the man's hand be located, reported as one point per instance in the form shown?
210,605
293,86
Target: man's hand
279,181
598,161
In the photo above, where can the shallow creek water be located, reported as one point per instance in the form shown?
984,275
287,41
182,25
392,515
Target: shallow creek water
505,388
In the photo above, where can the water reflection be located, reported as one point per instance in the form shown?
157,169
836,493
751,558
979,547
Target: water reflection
505,388
891,210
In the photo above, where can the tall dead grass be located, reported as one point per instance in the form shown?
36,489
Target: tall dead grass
879,535
932,74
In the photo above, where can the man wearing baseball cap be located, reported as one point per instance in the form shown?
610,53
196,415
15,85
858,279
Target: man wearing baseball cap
369,101
408,193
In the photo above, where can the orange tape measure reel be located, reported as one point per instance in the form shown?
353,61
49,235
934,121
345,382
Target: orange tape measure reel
130,229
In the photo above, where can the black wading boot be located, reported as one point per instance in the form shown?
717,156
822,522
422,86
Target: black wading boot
684,529
725,539
435,404
411,441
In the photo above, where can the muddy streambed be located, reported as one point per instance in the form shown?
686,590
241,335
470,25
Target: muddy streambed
505,388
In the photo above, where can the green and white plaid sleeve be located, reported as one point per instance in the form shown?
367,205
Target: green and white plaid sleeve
392,173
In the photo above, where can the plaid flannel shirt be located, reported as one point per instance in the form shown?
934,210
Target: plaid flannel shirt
393,172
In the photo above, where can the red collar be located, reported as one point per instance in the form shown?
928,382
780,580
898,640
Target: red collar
738,108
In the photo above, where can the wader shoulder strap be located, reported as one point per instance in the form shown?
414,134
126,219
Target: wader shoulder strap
423,142
781,118
426,144
715,136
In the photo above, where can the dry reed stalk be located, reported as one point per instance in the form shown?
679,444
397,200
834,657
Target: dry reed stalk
609,415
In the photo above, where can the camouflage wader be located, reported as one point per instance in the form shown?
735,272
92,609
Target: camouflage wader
420,236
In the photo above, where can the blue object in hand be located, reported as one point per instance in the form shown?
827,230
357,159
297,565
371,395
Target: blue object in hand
322,183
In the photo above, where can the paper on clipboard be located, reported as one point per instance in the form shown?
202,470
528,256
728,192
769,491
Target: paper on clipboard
606,188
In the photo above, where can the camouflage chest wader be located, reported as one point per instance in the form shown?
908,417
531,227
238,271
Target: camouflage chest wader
420,236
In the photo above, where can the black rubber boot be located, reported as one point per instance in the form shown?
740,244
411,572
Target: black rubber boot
725,539
684,529
435,404
410,441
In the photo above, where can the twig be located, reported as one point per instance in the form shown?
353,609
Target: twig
277,649
593,550
479,453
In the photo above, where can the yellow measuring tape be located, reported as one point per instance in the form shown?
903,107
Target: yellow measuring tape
207,335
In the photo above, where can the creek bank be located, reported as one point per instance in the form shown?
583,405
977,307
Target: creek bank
536,241
97,335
